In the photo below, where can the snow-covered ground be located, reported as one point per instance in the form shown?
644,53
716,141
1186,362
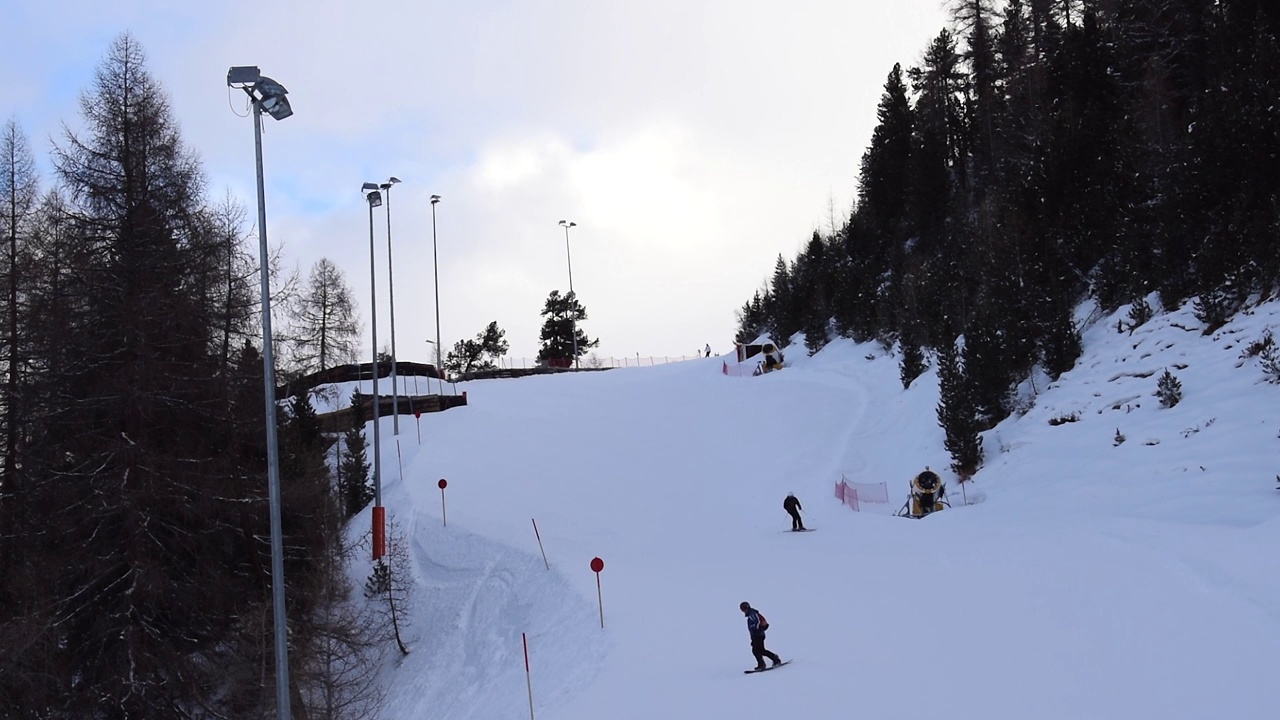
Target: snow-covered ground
1085,579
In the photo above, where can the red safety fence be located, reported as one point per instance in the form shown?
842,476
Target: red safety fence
746,369
854,494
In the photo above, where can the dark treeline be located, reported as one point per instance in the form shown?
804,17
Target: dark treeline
1043,152
134,531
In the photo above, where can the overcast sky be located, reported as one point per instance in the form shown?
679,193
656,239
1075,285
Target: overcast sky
692,141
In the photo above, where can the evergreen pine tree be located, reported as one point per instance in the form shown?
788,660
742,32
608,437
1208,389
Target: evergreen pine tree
987,371
812,284
1214,308
1140,312
856,277
912,364
353,472
564,316
479,354
781,310
886,165
1168,389
957,413
302,443
1060,346
751,320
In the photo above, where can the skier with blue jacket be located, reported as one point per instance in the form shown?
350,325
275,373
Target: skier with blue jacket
756,625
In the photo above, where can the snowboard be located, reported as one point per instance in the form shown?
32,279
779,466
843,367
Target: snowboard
802,530
772,667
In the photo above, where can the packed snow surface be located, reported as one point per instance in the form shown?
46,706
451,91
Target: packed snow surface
1077,575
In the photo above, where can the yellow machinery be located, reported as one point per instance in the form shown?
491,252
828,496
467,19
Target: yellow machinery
928,494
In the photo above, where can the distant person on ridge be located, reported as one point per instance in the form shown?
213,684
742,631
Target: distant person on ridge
792,505
756,625
708,349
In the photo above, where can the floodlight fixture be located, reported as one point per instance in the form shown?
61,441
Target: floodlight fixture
267,87
391,181
273,98
265,93
277,106
243,75
369,186
435,199
375,198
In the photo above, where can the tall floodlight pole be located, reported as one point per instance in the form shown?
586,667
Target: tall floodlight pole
267,94
573,316
379,514
391,291
435,262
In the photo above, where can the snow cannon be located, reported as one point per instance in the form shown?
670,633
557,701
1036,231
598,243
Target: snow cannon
928,495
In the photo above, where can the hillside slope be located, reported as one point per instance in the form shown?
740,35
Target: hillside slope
1085,579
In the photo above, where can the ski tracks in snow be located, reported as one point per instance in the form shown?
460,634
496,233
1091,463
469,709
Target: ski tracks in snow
862,424
473,598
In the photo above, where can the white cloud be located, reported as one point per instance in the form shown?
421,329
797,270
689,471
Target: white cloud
692,141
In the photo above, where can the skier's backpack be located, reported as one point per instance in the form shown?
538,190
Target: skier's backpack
763,624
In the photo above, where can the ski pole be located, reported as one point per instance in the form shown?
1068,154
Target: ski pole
528,679
544,552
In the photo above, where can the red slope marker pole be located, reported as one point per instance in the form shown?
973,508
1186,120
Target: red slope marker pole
596,566
417,420
527,678
544,552
442,485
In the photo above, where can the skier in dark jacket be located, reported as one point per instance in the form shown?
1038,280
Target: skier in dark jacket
792,505
756,625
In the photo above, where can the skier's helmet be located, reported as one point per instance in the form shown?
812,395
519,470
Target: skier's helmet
744,606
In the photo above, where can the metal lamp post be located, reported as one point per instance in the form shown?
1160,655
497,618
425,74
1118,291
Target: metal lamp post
374,198
267,94
391,291
573,316
435,262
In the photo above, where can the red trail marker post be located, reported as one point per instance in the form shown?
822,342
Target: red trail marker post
544,552
417,419
528,680
596,566
442,485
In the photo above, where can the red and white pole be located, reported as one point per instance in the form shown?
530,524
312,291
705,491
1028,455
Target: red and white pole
596,566
442,485
379,531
